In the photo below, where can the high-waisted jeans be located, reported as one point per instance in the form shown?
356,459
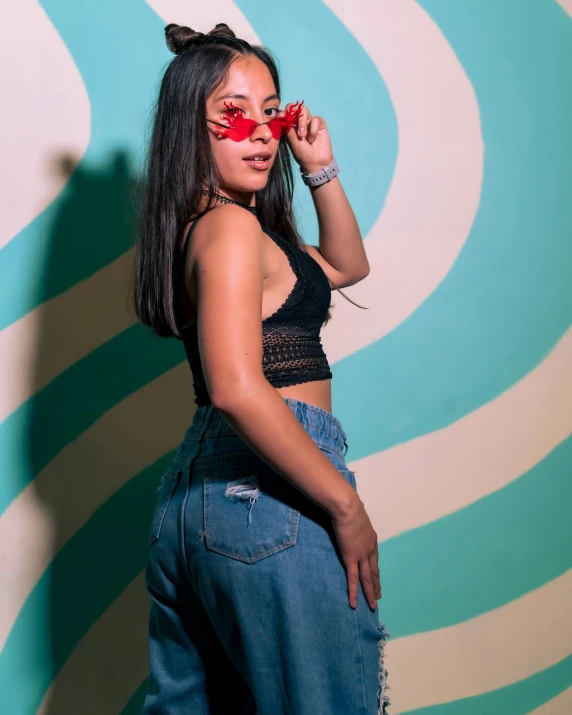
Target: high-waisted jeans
249,601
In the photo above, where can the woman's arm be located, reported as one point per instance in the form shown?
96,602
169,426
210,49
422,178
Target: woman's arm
230,273
341,253
228,245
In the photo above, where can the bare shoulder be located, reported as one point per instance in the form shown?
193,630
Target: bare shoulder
230,276
228,255
227,227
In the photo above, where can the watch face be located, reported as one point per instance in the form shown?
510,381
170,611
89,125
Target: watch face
240,128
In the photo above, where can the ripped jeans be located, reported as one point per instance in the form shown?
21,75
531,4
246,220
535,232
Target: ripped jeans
249,599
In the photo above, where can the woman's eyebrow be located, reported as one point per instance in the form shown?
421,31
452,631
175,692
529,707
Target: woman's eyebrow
242,96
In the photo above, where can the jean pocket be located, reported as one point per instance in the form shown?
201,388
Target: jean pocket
165,492
248,513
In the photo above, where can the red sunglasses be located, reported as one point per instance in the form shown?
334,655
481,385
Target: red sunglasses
240,128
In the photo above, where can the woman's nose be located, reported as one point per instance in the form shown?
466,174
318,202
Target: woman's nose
261,131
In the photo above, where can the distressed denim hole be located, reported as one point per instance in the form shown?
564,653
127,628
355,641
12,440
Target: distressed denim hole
248,514
246,488
383,700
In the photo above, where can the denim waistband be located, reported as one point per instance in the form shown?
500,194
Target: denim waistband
326,429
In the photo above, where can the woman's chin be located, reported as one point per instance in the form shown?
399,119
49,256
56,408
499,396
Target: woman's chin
250,186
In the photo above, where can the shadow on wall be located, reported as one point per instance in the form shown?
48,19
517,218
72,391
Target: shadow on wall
78,464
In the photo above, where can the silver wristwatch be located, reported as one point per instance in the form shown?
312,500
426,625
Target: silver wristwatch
322,176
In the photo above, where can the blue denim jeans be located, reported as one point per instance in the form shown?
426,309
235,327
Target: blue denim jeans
249,601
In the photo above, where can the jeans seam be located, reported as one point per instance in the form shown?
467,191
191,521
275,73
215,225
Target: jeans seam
256,557
175,477
182,528
362,674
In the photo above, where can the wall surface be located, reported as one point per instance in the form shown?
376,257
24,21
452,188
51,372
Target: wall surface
452,125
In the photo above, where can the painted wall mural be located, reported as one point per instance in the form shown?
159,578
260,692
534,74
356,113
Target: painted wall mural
455,388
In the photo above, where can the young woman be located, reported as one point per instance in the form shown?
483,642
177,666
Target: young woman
263,565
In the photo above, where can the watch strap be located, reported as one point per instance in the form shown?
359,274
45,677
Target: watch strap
323,176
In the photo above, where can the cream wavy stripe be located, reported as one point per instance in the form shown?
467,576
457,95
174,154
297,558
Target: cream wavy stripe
438,473
436,156
485,653
566,5
436,187
421,480
100,301
560,705
56,330
49,115
86,473
490,651
90,675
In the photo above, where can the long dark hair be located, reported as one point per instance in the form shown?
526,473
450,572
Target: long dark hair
179,164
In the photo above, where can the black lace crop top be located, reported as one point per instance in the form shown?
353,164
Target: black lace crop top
292,347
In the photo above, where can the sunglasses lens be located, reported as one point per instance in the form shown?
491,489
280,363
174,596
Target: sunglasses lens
275,126
241,130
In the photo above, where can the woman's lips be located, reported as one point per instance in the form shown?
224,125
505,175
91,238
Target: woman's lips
258,165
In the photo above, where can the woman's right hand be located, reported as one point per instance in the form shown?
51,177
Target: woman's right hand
357,540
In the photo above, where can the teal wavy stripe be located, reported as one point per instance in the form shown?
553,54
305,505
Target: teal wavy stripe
85,577
483,556
117,127
338,80
86,226
507,299
135,704
42,426
516,699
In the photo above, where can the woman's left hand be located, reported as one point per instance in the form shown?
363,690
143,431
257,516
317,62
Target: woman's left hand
310,142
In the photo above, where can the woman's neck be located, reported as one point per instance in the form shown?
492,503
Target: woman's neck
224,198
247,198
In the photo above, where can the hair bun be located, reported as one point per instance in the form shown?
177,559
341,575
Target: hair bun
179,36
221,30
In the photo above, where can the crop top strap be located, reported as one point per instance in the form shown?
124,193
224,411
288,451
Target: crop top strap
190,230
188,308
290,250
